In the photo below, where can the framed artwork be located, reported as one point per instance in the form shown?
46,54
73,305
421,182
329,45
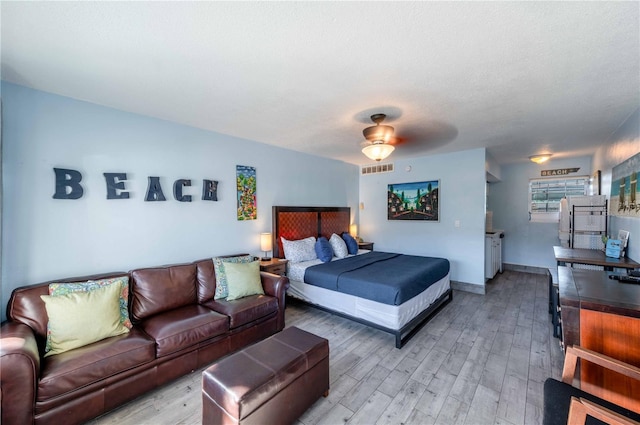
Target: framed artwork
414,201
246,186
625,192
595,183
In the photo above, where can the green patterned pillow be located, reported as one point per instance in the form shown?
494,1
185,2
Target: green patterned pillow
222,290
58,289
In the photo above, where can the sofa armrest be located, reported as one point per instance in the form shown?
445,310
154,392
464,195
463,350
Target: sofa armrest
276,286
19,373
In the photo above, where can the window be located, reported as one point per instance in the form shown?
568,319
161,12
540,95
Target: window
545,196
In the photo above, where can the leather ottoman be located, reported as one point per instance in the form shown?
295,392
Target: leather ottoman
271,382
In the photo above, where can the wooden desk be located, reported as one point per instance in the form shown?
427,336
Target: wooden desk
593,257
603,315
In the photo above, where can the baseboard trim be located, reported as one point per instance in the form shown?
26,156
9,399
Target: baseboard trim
525,269
468,287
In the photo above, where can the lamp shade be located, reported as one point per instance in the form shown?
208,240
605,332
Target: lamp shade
353,230
265,242
377,151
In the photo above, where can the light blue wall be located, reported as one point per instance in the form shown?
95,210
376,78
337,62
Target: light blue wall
45,238
622,145
526,243
462,197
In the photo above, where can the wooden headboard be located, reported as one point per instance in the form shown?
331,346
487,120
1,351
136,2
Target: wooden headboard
294,223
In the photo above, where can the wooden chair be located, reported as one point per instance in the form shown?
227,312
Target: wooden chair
566,404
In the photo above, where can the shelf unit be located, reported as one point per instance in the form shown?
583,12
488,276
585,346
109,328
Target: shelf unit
588,225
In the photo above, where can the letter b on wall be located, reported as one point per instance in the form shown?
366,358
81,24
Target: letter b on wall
68,184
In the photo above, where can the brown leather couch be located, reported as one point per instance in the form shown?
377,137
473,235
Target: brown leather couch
177,327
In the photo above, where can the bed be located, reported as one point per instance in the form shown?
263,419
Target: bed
399,309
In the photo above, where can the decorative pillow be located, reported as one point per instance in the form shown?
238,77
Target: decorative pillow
56,289
221,275
323,249
300,250
81,318
352,244
243,279
338,246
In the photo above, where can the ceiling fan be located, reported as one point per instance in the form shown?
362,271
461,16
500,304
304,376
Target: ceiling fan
378,137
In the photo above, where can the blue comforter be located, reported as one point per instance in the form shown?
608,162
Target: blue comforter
379,276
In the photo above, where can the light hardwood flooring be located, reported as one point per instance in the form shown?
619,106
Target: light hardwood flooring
482,360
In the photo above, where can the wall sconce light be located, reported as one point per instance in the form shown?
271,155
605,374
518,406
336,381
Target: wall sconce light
265,245
539,159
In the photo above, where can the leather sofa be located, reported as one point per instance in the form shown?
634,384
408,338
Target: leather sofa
178,327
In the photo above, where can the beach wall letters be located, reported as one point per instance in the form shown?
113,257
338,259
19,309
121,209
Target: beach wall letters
68,186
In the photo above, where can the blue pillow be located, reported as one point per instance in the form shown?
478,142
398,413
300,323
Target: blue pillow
352,244
323,249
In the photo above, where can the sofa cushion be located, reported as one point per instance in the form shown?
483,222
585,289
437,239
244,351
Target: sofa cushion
81,318
101,360
25,305
245,310
206,277
158,289
184,327
243,280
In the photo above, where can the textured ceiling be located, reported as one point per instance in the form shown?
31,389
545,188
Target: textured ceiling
516,77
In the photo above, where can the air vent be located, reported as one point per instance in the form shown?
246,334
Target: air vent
377,168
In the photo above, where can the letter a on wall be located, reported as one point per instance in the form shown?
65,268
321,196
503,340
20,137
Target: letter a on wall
154,191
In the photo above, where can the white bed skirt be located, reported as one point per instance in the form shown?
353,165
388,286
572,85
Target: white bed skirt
389,316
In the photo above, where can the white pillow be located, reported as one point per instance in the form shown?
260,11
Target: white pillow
300,250
338,246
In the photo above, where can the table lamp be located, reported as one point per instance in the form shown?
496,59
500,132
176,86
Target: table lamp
265,245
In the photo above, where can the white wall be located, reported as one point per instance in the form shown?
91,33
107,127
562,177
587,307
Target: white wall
526,243
45,238
622,145
462,197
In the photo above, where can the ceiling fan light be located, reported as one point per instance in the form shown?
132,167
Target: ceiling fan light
539,159
378,132
377,151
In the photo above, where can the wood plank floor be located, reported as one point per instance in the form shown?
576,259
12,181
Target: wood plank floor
482,360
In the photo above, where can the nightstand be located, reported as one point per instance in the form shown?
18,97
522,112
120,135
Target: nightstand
275,265
365,245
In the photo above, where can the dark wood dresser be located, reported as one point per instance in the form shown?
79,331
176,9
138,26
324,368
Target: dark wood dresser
603,315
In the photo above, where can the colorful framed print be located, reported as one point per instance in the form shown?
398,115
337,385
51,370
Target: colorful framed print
246,186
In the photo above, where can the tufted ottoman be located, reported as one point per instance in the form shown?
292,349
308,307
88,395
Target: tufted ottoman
271,382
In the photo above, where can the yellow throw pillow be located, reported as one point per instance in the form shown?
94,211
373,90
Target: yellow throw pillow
243,279
81,318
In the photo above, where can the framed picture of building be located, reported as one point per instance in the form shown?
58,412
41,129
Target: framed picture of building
414,201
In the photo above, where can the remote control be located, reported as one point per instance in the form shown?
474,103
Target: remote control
626,279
